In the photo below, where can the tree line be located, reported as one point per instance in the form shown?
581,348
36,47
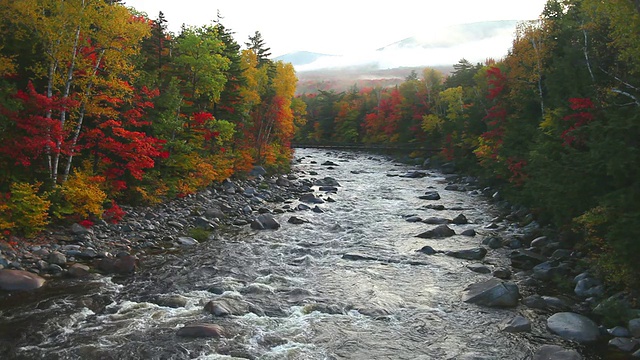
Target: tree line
556,123
101,105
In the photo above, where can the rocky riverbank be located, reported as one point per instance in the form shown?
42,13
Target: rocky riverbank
77,251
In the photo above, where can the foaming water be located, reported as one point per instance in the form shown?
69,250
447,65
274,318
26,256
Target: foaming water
305,299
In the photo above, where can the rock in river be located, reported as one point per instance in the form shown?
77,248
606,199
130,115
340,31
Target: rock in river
201,330
469,254
265,221
555,352
492,293
440,231
19,280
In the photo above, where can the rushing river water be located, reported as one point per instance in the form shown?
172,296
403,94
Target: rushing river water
314,304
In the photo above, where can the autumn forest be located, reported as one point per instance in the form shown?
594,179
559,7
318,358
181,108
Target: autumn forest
102,106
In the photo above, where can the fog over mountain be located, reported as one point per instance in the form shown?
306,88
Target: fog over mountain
436,47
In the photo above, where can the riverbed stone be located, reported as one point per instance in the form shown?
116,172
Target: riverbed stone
468,232
624,344
492,293
572,326
265,222
187,241
296,220
492,242
200,330
435,220
57,258
430,195
427,250
226,306
468,254
79,270
516,324
502,273
171,300
121,265
555,352
460,220
619,331
440,231
526,259
634,327
19,280
479,268
310,198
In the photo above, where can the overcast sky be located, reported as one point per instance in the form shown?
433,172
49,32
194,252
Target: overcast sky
339,27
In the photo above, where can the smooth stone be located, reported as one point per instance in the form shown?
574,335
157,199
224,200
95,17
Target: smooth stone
572,326
413,219
502,273
435,221
172,301
460,220
57,258
19,280
201,330
430,195
427,250
619,331
296,220
120,265
634,327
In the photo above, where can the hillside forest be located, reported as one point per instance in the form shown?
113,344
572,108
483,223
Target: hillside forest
555,124
100,106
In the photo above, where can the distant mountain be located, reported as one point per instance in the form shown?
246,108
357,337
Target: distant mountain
300,58
444,46
457,35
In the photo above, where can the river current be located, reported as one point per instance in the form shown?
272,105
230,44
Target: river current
314,302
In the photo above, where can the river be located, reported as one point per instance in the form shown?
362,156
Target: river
312,302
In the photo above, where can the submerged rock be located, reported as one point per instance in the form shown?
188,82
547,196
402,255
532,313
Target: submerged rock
517,324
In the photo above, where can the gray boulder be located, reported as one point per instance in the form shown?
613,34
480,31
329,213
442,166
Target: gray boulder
19,280
435,220
460,220
492,293
479,268
572,326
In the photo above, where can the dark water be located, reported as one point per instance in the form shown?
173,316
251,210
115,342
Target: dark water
406,305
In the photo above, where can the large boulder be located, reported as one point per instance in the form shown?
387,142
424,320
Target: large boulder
19,280
492,293
572,326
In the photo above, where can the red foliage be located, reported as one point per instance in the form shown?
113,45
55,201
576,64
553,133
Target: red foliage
578,119
30,132
114,214
86,223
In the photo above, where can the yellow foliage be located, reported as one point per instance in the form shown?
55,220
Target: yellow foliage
6,225
84,195
29,211
431,123
244,161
